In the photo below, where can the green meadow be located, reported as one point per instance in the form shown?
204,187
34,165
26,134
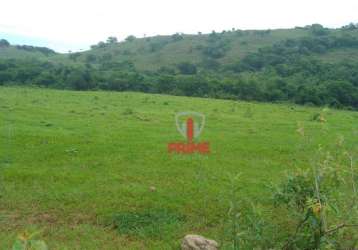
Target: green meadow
91,170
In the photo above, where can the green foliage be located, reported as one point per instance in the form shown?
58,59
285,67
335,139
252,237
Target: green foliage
187,68
318,30
4,43
27,241
217,46
295,191
151,223
315,200
319,203
210,64
271,66
43,50
157,45
80,79
165,70
112,40
74,56
318,117
90,58
351,26
99,45
177,37
130,38
128,111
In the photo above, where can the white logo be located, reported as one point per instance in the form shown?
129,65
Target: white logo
189,120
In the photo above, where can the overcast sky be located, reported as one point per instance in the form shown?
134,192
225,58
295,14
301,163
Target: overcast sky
76,24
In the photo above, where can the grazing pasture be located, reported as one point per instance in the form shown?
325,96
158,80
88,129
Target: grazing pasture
90,170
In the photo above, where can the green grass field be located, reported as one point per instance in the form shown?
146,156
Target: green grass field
71,160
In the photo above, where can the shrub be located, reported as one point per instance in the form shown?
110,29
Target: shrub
27,241
187,68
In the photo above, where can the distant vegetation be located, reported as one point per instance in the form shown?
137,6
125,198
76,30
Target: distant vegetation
298,65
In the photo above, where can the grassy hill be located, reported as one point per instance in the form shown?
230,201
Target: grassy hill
70,161
151,53
25,51
170,51
154,52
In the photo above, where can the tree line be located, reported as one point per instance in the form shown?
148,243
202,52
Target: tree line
284,72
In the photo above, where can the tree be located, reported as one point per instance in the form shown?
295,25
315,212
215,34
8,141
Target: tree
156,45
106,57
193,85
90,58
351,26
343,91
46,79
130,38
4,43
165,70
187,68
100,45
210,64
112,40
318,30
74,56
80,79
5,77
166,84
177,37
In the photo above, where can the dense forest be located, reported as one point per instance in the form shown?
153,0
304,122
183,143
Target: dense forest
317,67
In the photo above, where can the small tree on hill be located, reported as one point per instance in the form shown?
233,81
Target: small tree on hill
319,30
4,43
177,37
130,38
74,56
112,40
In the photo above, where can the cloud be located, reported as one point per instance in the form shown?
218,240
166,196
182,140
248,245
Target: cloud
82,23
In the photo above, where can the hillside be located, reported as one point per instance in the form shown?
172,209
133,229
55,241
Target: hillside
154,52
8,51
151,53
309,65
72,161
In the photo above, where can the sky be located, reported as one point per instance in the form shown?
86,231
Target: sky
76,24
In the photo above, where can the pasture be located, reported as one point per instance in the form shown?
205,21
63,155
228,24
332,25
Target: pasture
72,162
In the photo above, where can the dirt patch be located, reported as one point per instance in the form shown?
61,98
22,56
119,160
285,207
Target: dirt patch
13,220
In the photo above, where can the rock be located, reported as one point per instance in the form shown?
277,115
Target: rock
197,242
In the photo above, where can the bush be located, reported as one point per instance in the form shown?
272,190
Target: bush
27,241
315,208
187,68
